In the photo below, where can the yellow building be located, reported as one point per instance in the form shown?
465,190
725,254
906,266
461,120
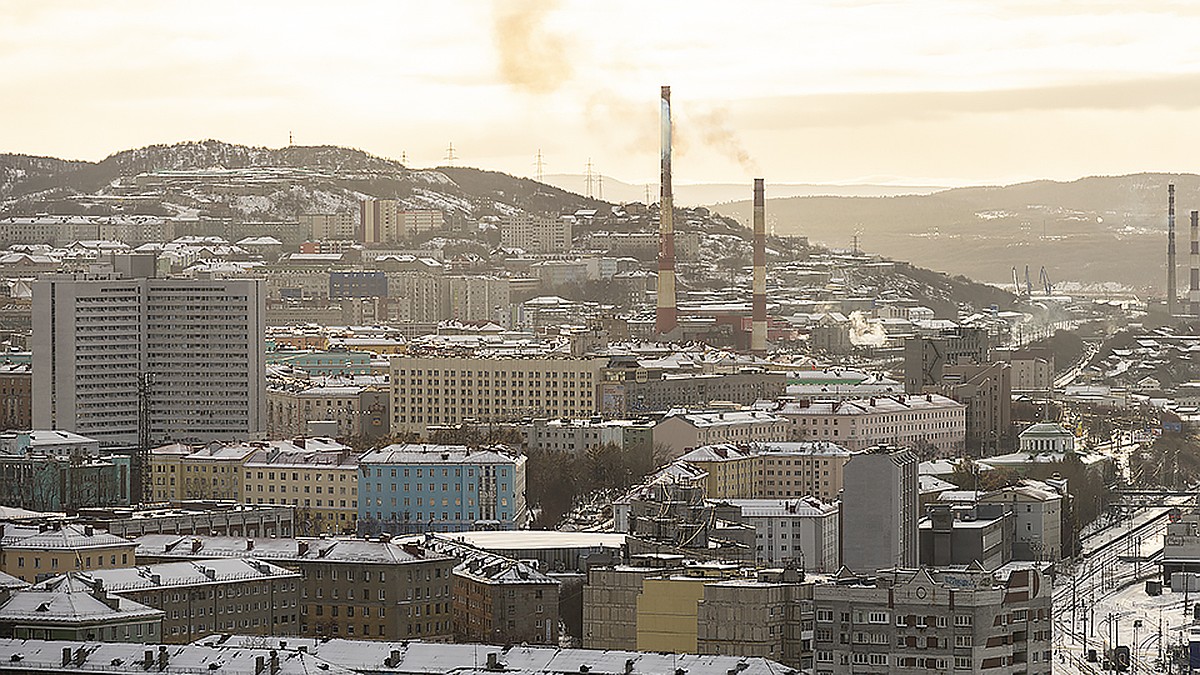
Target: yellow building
165,473
668,607
35,553
446,390
214,471
771,470
318,476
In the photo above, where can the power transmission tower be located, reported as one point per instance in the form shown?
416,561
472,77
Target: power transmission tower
647,194
450,156
143,481
589,178
538,165
600,184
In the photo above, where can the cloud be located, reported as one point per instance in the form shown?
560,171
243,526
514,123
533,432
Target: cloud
1176,92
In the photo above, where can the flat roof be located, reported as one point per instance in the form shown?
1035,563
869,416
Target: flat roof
537,539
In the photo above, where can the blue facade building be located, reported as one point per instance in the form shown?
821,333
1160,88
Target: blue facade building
408,488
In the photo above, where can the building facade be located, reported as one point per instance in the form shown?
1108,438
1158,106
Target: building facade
880,510
419,488
933,422
447,390
188,352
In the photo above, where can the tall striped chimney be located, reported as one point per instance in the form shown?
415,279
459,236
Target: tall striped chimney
1172,293
758,327
667,319
1194,288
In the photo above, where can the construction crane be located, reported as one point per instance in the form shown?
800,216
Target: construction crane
1044,282
1016,283
1028,286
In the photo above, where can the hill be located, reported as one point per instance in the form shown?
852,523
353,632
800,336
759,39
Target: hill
1092,230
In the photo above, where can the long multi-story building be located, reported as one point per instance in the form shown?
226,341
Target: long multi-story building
317,476
36,553
409,488
438,390
183,355
771,470
801,532
536,234
928,421
249,597
335,226
374,590
683,431
924,620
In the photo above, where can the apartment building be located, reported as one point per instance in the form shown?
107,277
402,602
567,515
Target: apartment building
769,616
34,553
16,396
986,390
448,488
934,621
880,510
373,590
682,431
928,421
336,226
212,471
64,482
577,436
498,599
610,599
637,389
199,598
802,532
476,298
439,390
787,470
188,351
536,234
317,476
357,409
1037,508
72,607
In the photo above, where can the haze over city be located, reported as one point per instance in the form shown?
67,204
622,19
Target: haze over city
939,93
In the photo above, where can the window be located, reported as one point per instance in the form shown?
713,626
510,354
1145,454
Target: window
877,617
962,663
962,620
963,641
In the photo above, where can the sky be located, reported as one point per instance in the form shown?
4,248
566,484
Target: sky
835,91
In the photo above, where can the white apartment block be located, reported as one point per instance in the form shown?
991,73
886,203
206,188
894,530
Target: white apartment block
536,234
906,421
476,298
336,226
383,221
804,530
771,470
190,350
438,390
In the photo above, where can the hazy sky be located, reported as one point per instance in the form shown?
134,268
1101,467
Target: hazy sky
914,90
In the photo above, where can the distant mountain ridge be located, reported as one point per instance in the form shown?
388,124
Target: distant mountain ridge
1091,230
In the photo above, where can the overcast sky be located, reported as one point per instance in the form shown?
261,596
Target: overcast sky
954,92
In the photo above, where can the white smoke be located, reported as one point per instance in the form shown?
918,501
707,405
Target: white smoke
864,333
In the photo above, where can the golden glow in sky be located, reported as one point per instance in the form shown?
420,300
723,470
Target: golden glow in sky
908,91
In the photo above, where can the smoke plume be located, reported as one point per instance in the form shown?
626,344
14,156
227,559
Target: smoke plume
532,57
713,127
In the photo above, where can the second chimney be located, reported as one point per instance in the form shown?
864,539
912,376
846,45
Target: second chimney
758,327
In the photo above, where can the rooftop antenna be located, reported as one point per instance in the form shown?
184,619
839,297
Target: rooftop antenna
589,179
538,164
450,156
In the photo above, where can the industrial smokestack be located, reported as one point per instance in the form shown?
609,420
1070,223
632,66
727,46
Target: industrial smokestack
1194,288
667,318
758,327
1172,293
